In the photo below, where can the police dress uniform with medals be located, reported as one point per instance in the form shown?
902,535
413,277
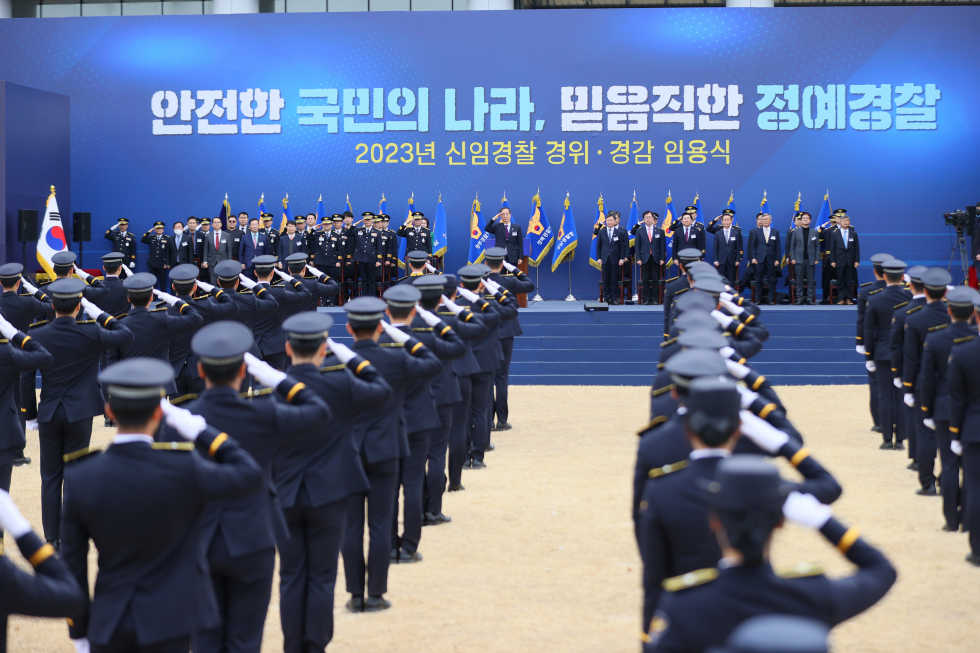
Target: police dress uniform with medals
314,476
416,238
141,503
366,254
160,257
123,242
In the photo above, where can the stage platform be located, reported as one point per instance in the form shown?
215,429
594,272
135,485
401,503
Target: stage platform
563,344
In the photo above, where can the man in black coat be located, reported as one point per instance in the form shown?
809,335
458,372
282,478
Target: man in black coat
764,252
141,503
845,256
315,475
191,249
508,235
70,394
267,328
612,250
160,259
651,253
380,439
689,233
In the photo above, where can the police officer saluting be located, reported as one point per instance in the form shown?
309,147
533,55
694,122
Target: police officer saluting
63,264
320,286
367,256
267,327
123,241
161,258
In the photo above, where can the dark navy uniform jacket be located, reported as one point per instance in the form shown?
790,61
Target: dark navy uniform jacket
417,240
152,330
514,284
931,383
116,302
161,250
703,615
252,522
72,379
95,290
878,320
21,310
50,592
382,435
218,305
507,307
327,464
21,354
896,337
267,327
142,507
364,245
252,305
318,288
486,350
963,385
469,327
918,324
331,248
421,400
676,286
124,243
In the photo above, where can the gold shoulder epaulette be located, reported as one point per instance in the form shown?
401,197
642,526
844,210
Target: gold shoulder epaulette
81,453
660,391
85,322
656,421
673,278
333,368
869,283
445,313
391,344
181,399
801,570
668,469
938,327
35,325
660,366
256,393
421,328
681,291
875,292
963,339
157,310
668,342
173,446
913,310
690,579
897,306
245,291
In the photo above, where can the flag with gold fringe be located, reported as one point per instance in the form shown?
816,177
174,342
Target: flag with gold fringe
539,232
567,238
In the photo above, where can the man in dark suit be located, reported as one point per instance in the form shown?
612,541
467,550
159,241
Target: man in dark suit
193,252
804,254
292,242
236,232
727,246
611,251
159,260
764,252
827,272
508,235
689,234
141,503
218,246
845,256
253,244
315,475
70,394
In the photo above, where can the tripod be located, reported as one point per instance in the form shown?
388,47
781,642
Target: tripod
964,257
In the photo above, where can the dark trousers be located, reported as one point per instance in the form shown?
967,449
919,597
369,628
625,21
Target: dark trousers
909,420
125,640
949,478
887,410
19,403
188,384
161,275
748,276
28,394
479,436
278,361
365,279
501,381
58,437
767,272
411,477
610,280
845,281
435,473
308,563
650,280
727,270
380,498
242,587
826,274
6,468
925,450
804,273
873,403
459,431
971,491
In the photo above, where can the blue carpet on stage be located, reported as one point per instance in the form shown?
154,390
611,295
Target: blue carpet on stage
565,345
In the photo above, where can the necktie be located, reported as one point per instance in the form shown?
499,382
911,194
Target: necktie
687,233
217,240
650,233
844,232
610,233
255,240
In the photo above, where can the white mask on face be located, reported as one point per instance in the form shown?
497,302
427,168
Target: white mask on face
178,231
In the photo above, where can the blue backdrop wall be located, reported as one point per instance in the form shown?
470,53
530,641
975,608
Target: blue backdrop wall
170,113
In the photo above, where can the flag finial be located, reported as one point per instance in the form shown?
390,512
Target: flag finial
440,196
226,196
52,190
319,200
505,196
634,195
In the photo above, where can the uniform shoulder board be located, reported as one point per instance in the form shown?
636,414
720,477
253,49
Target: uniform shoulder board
157,310
668,469
255,393
173,446
938,327
913,310
277,283
245,291
35,325
690,579
445,313
673,279
869,283
660,391
85,322
181,399
957,341
333,368
681,291
422,329
897,306
802,570
668,342
656,421
875,292
80,454
391,344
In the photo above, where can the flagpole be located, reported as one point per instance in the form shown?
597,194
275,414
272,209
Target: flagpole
571,297
537,285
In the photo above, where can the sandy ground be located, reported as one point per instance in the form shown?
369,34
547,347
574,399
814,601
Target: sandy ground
540,554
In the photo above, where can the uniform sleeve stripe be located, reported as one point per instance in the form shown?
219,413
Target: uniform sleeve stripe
292,392
216,444
361,366
953,429
799,457
768,408
41,555
758,382
444,331
848,540
416,347
24,341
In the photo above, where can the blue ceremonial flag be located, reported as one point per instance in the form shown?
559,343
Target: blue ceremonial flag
539,232
383,205
401,241
824,218
731,205
668,220
287,214
321,212
600,219
697,203
764,205
440,241
478,237
567,239
225,212
634,220
262,208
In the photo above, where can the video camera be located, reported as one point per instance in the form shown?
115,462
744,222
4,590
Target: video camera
962,220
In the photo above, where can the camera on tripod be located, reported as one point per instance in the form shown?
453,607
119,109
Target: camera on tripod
959,219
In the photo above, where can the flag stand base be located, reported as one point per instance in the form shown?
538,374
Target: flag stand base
537,284
571,298
537,298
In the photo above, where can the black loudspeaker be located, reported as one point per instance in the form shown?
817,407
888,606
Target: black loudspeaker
27,226
597,306
81,227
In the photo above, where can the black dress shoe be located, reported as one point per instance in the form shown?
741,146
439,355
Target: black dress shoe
493,427
400,556
468,464
356,604
914,466
456,488
928,491
395,555
477,464
23,460
950,529
503,426
876,429
492,446
376,604
886,445
899,446
973,559
435,519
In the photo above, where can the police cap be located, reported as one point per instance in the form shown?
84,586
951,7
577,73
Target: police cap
159,224
64,258
66,288
365,309
205,220
693,363
265,262
450,284
691,301
113,257
915,272
122,221
11,270
184,272
367,215
417,256
402,296
689,255
222,343
728,212
936,278
773,633
137,378
712,398
747,482
227,270
878,259
496,254
417,215
140,282
893,266
336,217
470,273
299,258
961,296
429,281
308,326
701,338
710,286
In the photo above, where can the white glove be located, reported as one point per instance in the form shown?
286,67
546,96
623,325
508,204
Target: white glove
897,383
491,285
860,349
248,283
747,396
727,296
806,510
342,352
909,399
397,335
429,267
206,287
314,270
956,447
732,308
81,645
906,278
929,423
766,436
10,518
726,352
28,286
7,330
82,273
722,319
165,297
468,294
282,275
510,267
91,309
737,370
264,373
126,268
430,318
870,365
451,305
186,423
